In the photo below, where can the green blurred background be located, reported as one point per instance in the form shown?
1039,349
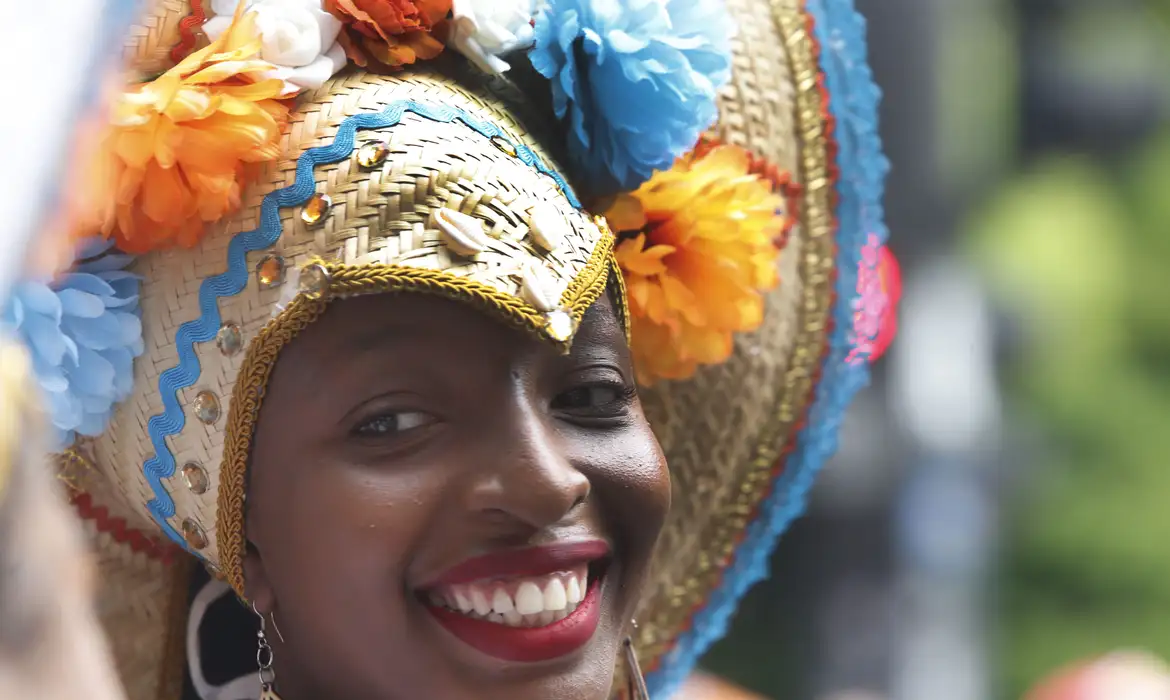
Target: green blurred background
1044,131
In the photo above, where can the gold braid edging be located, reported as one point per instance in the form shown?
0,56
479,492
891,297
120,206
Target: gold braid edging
348,281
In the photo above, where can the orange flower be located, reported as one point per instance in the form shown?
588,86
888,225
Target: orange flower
179,145
698,248
393,33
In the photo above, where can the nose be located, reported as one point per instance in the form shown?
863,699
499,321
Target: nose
527,477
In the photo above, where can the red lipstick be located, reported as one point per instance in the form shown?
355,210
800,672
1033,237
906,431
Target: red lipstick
524,643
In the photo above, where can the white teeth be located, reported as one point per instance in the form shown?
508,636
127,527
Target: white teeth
518,603
480,602
555,597
574,593
502,602
529,599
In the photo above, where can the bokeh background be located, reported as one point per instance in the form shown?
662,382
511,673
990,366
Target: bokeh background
999,506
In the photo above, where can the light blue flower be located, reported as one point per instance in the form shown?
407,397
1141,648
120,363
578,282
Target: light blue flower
637,80
83,331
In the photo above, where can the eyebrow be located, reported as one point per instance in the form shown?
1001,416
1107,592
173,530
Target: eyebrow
388,334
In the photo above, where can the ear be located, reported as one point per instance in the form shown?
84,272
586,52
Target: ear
257,585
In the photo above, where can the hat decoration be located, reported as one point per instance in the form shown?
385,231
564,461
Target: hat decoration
699,232
83,332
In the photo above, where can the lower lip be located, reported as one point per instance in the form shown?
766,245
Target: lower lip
527,644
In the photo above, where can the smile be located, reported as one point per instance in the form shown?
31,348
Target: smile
527,605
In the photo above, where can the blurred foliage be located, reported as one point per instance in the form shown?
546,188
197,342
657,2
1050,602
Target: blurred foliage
1081,251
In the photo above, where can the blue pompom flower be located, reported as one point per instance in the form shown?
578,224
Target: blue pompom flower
83,331
637,79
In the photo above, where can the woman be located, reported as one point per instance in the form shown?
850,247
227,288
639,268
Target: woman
381,376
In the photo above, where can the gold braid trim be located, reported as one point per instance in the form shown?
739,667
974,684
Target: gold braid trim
359,280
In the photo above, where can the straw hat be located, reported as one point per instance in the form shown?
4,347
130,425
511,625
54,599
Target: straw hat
441,178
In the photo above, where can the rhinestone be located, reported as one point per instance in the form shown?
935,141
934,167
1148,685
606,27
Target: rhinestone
206,407
270,271
560,325
316,209
504,145
372,154
194,534
314,280
196,478
229,339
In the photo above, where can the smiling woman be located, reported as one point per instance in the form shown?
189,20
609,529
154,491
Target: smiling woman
398,387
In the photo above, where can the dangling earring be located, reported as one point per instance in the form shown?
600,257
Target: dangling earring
264,659
635,683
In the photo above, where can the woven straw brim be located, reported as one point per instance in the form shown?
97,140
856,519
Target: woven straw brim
166,31
726,430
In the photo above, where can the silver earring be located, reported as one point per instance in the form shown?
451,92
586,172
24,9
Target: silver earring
635,682
264,659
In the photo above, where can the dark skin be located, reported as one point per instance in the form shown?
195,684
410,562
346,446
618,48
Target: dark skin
401,435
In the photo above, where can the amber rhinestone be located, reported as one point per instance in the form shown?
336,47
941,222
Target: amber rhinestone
316,209
229,339
270,271
560,325
196,478
372,154
314,280
194,534
206,407
504,145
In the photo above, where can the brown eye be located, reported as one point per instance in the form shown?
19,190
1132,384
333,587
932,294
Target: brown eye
393,423
594,400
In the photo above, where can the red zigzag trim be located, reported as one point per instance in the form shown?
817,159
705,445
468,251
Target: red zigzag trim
187,27
117,528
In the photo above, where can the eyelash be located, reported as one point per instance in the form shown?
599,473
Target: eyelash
362,429
623,394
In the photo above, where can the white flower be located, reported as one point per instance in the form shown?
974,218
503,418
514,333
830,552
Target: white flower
484,30
297,36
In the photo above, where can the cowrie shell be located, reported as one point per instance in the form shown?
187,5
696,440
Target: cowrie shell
463,234
534,288
548,226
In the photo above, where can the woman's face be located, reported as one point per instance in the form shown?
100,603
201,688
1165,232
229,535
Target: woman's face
443,507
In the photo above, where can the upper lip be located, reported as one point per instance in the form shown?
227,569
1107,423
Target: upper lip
515,563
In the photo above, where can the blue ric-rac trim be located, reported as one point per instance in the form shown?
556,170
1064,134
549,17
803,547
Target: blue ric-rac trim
853,101
186,373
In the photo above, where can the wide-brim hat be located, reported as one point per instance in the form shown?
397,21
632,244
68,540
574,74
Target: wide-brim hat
439,178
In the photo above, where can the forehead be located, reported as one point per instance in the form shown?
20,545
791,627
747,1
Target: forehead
418,323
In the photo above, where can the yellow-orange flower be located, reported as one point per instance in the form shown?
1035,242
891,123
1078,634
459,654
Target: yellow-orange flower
179,145
392,33
698,247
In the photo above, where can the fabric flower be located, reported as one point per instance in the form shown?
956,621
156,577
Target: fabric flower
484,30
177,147
879,287
297,36
83,332
392,33
636,79
697,249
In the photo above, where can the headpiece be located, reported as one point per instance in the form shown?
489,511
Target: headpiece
714,165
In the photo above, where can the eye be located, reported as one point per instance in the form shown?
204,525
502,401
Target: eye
595,400
392,423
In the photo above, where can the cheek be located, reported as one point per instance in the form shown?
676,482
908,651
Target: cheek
335,544
630,476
